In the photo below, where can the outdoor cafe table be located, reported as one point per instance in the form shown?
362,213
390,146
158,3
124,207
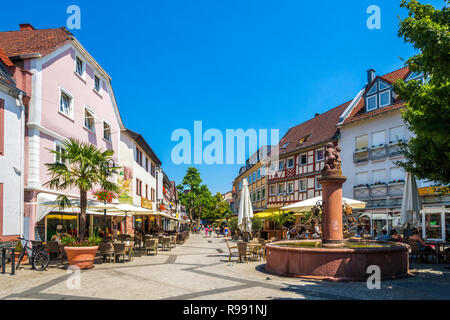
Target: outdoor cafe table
438,245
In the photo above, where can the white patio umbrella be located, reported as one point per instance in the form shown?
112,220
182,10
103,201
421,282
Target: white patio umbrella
307,205
245,215
411,204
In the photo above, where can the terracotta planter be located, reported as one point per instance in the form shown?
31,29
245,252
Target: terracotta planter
25,259
82,257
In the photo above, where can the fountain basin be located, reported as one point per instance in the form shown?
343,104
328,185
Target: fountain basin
308,259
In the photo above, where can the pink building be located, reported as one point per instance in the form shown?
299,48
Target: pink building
71,96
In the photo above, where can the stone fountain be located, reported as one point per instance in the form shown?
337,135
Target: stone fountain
333,257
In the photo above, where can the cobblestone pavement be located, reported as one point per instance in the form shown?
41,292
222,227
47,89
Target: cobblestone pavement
199,269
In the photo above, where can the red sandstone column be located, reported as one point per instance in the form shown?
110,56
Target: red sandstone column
332,209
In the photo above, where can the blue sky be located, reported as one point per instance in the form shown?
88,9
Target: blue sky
230,63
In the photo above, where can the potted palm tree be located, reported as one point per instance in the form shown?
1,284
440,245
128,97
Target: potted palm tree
82,166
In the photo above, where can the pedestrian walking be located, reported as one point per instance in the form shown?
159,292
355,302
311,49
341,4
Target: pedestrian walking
206,232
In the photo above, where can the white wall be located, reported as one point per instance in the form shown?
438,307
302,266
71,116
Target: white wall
127,150
349,132
11,166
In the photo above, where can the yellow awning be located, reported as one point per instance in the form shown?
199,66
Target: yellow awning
268,213
62,217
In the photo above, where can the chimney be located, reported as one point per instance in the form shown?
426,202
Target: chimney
370,76
26,27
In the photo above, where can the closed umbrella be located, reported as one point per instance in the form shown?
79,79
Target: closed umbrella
245,209
411,204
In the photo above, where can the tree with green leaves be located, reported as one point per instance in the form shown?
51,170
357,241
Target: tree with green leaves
427,114
194,196
83,166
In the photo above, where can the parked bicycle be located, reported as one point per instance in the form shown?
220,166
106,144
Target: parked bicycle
39,258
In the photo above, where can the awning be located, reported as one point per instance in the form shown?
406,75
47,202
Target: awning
268,213
165,215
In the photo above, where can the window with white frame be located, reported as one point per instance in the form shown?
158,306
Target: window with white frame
59,157
281,188
371,102
378,139
263,193
290,187
290,163
385,98
303,159
320,155
65,104
79,66
396,174
272,190
258,174
362,178
96,83
106,131
361,142
302,185
318,185
396,134
89,119
281,165
379,176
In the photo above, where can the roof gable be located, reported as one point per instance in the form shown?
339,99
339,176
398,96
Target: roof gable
317,130
361,111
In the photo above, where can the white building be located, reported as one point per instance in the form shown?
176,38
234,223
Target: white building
138,158
371,128
12,131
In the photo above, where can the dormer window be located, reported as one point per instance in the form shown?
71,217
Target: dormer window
373,90
379,95
284,146
371,103
385,98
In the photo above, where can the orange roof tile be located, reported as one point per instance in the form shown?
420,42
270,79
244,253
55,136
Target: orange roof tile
318,130
42,41
5,59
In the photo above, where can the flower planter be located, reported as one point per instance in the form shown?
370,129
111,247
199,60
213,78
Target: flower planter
82,257
25,259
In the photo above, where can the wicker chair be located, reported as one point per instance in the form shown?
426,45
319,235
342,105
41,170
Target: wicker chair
119,250
106,250
243,251
129,251
53,248
230,249
166,243
151,245
173,240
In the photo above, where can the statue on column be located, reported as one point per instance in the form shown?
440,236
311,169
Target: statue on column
332,165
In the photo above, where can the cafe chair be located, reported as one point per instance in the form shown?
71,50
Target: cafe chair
119,251
106,250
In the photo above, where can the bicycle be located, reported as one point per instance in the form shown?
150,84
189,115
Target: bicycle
39,258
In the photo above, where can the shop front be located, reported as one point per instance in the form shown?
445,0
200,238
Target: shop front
435,224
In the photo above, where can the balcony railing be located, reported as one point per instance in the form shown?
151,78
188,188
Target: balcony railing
361,192
378,190
394,149
361,155
396,188
378,152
